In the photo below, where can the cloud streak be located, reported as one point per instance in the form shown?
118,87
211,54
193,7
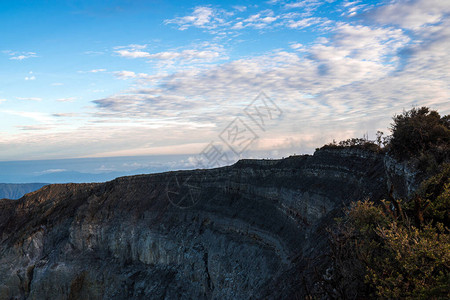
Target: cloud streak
14,55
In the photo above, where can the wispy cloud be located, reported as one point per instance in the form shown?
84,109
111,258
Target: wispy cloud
30,76
303,23
51,171
260,20
36,116
69,99
14,55
94,52
29,98
132,46
124,75
223,22
97,70
65,115
204,52
205,17
93,71
34,127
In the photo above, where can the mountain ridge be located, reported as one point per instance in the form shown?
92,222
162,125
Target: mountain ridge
249,230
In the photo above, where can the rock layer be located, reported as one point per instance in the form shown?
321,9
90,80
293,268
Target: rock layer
252,230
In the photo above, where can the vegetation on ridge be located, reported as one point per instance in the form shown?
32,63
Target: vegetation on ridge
420,136
398,249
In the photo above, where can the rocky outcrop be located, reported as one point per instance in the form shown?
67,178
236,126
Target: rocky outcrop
256,229
402,177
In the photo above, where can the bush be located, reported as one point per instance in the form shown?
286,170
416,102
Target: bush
379,254
396,249
421,133
354,143
432,201
416,264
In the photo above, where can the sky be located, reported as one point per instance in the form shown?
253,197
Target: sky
95,79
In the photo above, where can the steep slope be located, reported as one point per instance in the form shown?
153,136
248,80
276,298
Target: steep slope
252,230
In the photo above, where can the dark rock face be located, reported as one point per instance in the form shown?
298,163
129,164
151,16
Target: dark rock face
252,230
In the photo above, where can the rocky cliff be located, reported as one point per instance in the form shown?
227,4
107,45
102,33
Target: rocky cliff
256,229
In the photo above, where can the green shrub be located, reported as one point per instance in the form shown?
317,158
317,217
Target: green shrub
421,133
391,257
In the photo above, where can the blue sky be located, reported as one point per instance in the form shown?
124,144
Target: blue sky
128,78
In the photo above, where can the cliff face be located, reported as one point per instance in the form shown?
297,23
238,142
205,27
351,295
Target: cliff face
252,230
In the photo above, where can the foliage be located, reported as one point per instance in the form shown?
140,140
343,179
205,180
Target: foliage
349,255
395,258
354,143
398,255
421,133
398,249
416,264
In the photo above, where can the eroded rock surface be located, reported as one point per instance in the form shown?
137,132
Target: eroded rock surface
252,230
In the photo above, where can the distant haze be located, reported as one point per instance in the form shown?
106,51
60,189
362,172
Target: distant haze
85,169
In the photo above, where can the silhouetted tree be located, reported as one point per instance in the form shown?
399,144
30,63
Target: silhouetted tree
421,133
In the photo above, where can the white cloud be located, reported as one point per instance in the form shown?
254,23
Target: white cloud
309,4
2,100
413,14
36,116
125,74
297,46
132,46
21,55
169,55
357,74
240,8
303,23
57,84
30,77
223,22
69,99
51,171
93,71
64,115
94,52
199,54
260,20
97,70
133,53
205,17
29,98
